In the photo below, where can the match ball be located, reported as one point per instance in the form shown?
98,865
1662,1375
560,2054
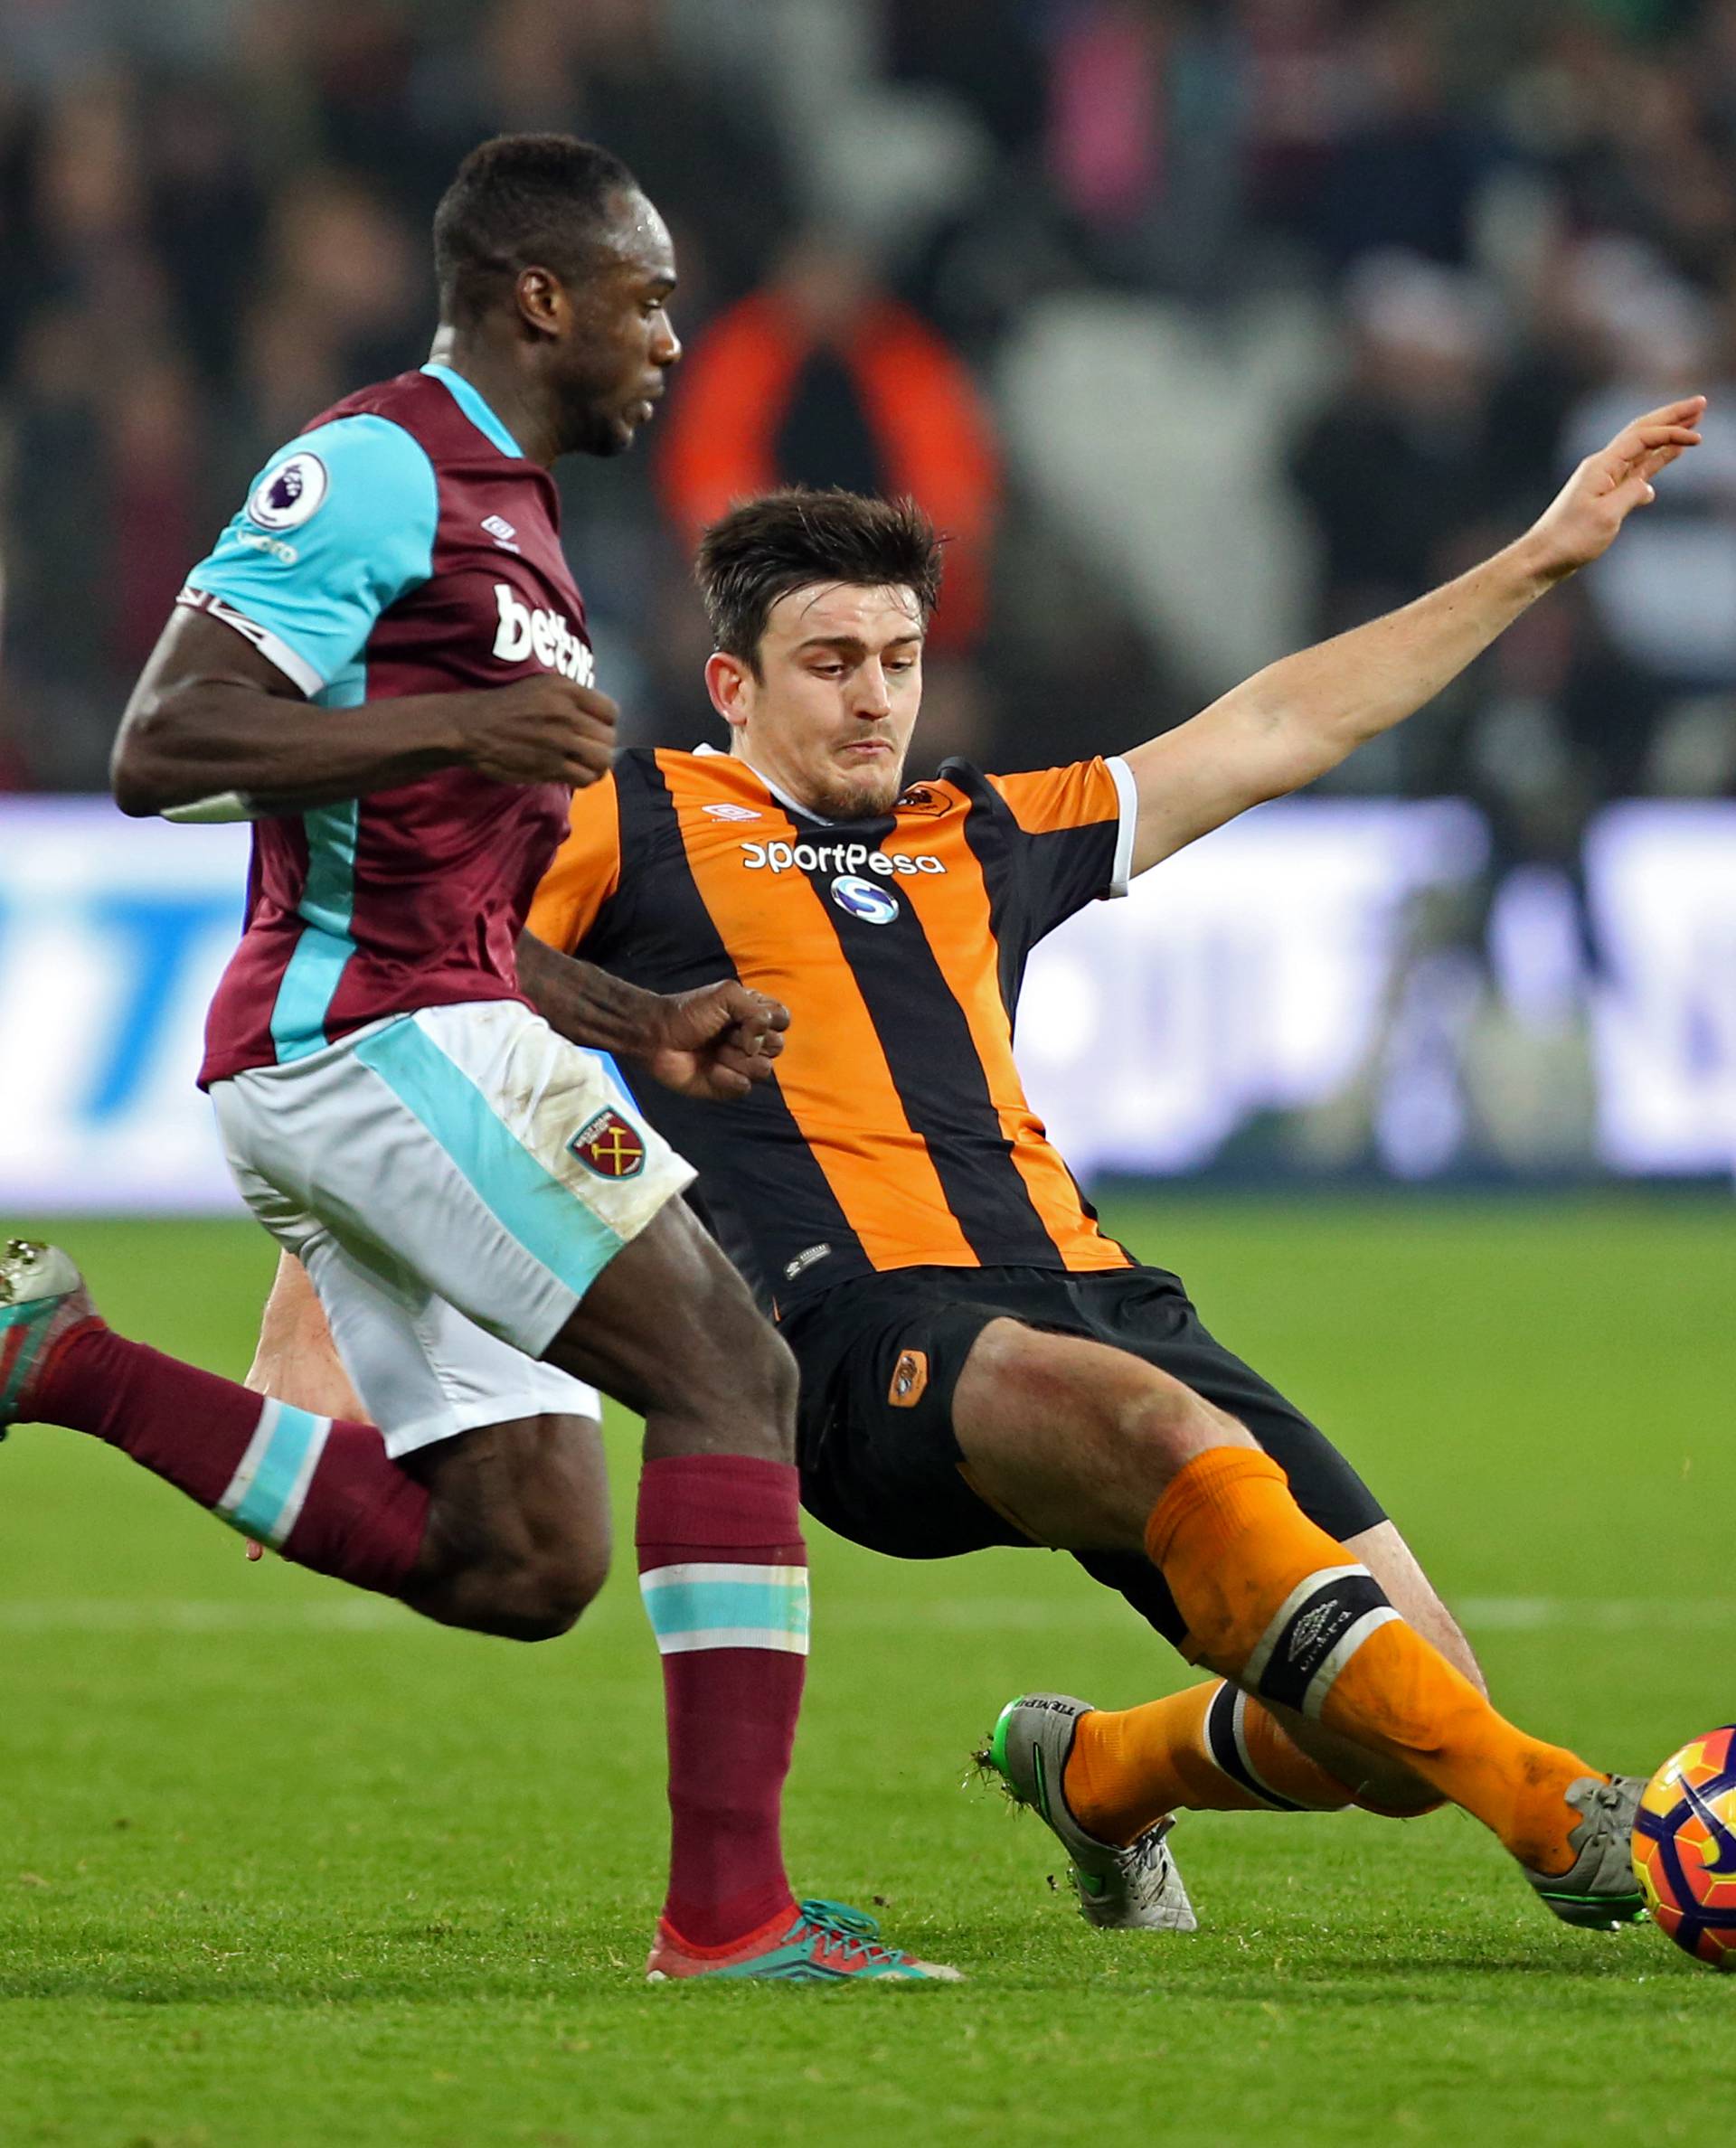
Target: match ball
1685,1848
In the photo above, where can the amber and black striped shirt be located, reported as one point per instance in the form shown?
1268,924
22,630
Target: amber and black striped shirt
896,1132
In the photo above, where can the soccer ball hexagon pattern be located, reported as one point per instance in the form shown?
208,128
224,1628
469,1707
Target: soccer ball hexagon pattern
1685,1848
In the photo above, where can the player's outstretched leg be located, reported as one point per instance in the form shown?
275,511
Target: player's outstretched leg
1270,1601
1213,1748
324,1492
1273,1602
668,1328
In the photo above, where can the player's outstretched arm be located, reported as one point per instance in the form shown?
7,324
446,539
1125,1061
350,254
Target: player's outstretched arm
213,721
1303,715
716,1042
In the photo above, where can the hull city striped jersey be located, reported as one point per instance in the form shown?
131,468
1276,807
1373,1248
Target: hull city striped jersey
895,1132
402,545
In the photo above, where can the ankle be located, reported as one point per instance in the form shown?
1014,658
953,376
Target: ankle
1093,1780
766,1932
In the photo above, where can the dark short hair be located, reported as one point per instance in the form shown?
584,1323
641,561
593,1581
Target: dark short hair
763,549
521,202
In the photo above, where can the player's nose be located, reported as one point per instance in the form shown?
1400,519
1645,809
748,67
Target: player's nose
872,702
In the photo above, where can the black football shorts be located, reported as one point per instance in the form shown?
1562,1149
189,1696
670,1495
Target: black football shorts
880,1358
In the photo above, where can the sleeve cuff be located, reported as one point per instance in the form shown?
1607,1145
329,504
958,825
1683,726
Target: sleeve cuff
295,668
1127,795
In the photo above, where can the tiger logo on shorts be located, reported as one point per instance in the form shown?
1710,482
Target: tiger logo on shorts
608,1145
909,1379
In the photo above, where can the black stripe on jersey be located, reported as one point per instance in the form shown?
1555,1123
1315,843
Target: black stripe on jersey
1034,881
986,826
985,833
925,1038
678,949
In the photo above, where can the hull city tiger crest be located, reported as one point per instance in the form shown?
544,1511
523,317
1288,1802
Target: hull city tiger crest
910,1380
608,1145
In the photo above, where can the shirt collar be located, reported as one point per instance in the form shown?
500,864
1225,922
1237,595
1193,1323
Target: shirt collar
789,804
471,400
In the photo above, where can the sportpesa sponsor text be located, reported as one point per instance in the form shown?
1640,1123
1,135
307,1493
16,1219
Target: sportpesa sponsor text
831,857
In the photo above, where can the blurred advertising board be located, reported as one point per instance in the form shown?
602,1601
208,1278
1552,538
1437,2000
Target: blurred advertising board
112,935
1325,987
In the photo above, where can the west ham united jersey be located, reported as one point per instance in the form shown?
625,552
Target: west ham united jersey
895,1133
402,545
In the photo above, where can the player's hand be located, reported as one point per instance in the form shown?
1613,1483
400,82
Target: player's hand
546,730
296,1359
718,1041
1583,521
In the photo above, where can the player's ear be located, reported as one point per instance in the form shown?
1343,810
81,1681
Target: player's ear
542,300
728,681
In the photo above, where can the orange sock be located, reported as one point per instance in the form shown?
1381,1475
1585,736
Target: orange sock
1209,1749
1272,1600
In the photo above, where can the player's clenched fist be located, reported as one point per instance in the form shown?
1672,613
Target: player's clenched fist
719,1040
546,730
1581,522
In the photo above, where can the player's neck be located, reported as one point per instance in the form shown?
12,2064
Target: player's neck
785,793
787,789
502,385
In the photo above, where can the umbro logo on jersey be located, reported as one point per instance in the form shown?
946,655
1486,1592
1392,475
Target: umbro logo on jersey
1310,1629
502,532
726,811
543,635
289,492
262,541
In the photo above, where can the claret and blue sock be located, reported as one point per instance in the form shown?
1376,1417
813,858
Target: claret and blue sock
322,1492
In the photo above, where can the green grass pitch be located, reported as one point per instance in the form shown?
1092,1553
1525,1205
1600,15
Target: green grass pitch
281,1866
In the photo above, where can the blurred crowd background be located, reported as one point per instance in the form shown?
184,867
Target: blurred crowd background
1206,326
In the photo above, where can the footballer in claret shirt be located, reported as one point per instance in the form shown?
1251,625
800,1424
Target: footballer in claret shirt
384,665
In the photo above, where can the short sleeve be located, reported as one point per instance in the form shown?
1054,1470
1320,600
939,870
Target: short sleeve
585,872
337,527
1072,832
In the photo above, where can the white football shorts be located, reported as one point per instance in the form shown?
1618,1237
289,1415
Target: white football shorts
453,1181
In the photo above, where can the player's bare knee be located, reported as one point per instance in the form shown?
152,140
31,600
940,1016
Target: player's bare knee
761,1400
1160,1416
776,1382
548,1590
561,1590
735,1395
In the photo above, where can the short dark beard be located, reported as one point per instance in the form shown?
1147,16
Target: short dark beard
844,805
587,431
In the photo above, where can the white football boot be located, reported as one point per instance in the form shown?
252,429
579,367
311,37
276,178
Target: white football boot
1599,1891
1135,1889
